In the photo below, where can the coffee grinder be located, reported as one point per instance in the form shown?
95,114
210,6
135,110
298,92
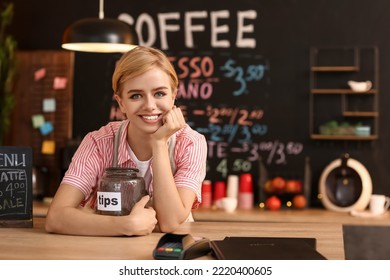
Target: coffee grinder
345,185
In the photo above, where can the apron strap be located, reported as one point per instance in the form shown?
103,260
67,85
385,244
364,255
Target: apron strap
116,145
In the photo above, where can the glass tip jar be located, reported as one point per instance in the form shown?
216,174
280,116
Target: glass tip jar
119,190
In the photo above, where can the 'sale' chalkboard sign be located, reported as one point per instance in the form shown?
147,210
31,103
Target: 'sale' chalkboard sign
16,187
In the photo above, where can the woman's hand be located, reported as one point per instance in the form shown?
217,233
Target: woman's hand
141,220
173,121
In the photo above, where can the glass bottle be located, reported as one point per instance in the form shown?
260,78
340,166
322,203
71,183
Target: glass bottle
119,190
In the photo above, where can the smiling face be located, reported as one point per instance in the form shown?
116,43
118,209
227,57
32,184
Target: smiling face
145,98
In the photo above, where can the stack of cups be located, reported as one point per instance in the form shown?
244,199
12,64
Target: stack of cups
245,192
232,186
219,192
206,194
229,203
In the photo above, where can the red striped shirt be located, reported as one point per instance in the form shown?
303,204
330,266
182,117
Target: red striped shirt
95,154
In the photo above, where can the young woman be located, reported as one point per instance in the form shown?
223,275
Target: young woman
145,86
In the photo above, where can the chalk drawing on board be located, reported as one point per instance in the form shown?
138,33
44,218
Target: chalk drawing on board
16,185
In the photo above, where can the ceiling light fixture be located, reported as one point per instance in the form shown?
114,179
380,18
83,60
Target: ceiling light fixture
100,35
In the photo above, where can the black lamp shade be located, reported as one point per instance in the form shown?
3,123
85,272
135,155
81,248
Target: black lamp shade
98,35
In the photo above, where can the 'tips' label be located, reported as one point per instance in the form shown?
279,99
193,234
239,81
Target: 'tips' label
109,201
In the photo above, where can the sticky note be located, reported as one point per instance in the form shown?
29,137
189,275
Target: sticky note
60,83
48,147
49,105
39,74
46,128
37,120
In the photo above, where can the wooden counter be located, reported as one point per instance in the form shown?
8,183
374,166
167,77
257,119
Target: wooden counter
314,215
289,216
35,243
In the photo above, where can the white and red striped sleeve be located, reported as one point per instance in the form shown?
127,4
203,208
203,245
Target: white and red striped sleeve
190,160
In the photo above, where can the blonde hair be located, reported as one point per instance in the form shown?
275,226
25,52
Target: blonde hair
138,61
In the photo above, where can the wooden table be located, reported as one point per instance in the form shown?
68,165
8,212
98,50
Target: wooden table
290,216
35,243
311,215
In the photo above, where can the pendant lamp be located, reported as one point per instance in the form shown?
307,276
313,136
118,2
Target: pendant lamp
101,35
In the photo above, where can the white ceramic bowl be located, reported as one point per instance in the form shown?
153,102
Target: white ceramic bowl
360,86
229,204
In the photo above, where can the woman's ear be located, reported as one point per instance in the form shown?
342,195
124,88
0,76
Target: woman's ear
174,94
119,101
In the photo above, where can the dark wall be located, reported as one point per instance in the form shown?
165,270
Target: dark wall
284,31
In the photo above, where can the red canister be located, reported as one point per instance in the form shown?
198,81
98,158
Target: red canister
245,192
219,192
206,194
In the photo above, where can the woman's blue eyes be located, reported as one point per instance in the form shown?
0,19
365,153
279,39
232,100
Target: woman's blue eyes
160,93
138,96
135,96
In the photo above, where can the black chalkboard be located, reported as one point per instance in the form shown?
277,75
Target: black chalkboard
15,187
224,95
244,84
244,68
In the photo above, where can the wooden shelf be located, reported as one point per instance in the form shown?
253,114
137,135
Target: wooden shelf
335,68
360,114
343,137
340,91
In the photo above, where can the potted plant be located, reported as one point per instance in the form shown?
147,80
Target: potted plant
7,70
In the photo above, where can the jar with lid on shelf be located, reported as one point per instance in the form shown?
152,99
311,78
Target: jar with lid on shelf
119,190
